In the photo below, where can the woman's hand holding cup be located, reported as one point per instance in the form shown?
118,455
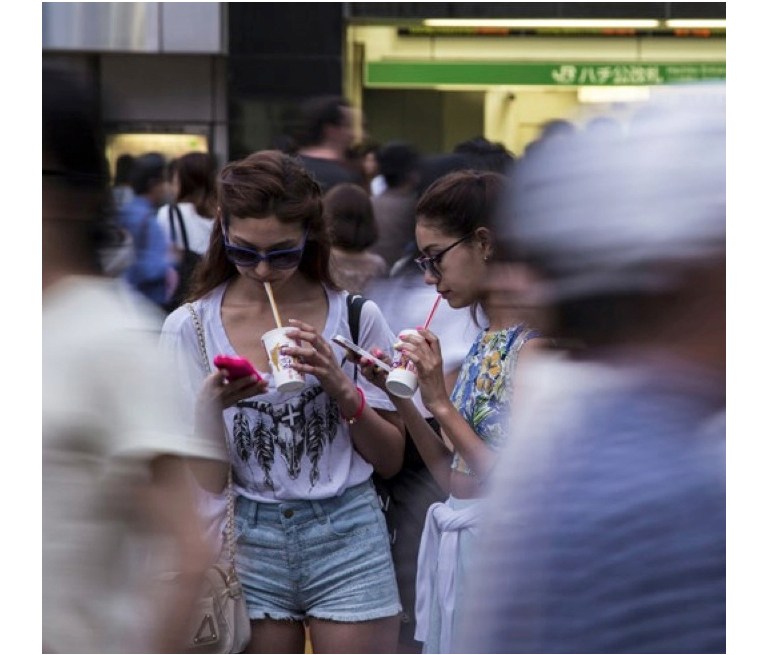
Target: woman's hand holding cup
315,356
422,348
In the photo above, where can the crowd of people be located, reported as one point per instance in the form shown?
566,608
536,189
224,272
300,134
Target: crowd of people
555,484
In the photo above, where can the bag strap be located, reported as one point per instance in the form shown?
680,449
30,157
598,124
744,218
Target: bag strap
174,212
230,529
355,304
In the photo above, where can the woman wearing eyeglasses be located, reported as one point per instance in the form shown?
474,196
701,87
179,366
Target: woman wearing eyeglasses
312,544
460,258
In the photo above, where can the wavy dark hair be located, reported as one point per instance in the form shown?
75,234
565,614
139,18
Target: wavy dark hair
266,183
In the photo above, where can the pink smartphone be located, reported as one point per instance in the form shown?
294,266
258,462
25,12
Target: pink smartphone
236,367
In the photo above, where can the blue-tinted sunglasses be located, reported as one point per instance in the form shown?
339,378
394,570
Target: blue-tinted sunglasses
249,258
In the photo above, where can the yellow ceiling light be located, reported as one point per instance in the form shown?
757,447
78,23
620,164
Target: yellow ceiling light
695,24
523,23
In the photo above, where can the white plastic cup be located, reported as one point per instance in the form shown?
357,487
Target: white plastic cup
287,378
402,380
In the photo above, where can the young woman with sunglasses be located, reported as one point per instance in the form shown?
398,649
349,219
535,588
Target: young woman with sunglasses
312,544
459,257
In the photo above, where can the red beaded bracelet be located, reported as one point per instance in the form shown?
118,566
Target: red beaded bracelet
359,412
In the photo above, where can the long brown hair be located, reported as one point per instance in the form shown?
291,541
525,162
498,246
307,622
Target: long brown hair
196,172
266,183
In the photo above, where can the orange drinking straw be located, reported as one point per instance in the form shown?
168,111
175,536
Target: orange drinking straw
275,313
432,313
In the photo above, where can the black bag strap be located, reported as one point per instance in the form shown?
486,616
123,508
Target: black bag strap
175,213
355,304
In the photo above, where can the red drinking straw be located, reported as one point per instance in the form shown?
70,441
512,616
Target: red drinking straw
432,313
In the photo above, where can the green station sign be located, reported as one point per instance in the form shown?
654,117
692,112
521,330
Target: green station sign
484,73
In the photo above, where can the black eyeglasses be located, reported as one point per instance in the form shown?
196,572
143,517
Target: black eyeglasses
249,258
430,264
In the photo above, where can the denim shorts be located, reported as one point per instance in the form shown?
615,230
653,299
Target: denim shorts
327,559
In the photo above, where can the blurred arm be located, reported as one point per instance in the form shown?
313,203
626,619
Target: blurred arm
168,502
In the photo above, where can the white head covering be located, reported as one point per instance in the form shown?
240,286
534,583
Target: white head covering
624,211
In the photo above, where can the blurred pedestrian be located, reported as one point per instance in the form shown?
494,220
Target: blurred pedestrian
350,219
312,544
152,272
481,154
362,155
326,135
433,167
395,207
194,181
115,492
187,222
122,193
605,531
458,250
284,143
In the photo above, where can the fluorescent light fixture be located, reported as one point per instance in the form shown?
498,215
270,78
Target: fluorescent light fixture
609,94
694,24
543,23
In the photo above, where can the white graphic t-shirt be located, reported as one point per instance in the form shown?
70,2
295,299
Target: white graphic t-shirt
284,446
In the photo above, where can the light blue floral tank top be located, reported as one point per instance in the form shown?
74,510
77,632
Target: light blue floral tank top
483,390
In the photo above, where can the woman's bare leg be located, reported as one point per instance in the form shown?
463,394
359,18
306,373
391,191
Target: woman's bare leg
273,636
377,636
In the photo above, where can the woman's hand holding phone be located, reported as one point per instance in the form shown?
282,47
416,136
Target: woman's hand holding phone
236,367
371,369
236,379
358,354
221,390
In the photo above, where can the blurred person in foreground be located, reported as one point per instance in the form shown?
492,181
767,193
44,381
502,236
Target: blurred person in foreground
458,255
605,530
114,487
